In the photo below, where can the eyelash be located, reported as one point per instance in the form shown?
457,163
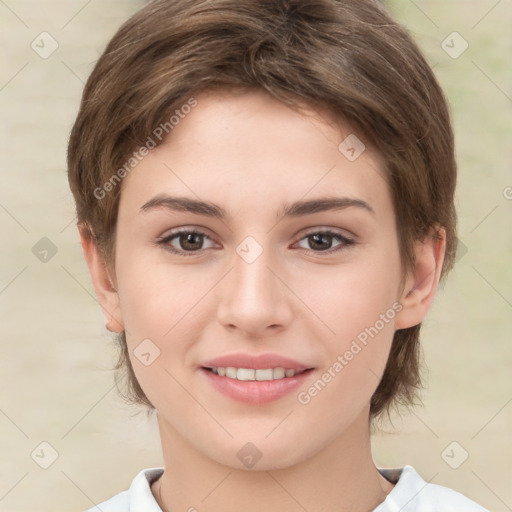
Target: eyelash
165,241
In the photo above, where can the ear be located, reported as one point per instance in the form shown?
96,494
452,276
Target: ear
421,284
106,292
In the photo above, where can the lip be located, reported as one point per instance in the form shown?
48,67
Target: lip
257,362
255,392
251,391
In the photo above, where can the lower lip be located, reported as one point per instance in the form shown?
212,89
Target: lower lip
254,391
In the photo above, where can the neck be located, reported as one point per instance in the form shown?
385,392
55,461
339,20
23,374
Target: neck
341,477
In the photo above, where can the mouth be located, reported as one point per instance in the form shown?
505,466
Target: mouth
255,378
256,386
255,374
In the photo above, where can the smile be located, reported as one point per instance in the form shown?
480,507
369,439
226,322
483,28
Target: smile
254,386
255,374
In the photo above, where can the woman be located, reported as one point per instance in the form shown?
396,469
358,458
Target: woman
265,200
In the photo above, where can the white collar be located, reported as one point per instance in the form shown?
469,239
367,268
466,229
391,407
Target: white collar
410,494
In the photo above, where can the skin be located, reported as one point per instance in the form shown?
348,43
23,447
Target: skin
251,155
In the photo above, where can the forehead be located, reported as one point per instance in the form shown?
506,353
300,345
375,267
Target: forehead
245,148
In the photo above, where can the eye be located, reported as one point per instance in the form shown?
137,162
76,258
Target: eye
184,241
322,241
187,242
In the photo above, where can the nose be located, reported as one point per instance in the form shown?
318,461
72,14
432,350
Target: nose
254,298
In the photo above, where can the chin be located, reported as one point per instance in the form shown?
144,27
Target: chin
258,453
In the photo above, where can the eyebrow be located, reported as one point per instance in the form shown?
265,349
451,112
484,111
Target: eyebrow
297,209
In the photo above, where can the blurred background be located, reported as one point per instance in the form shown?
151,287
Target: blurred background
67,440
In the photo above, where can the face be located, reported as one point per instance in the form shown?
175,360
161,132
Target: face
254,280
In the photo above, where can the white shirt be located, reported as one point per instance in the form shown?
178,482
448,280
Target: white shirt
410,494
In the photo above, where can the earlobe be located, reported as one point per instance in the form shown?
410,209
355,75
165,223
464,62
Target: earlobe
421,285
106,292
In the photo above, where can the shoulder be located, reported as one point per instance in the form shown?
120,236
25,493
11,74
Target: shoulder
137,497
412,494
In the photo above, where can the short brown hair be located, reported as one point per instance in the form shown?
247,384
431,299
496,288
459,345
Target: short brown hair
349,58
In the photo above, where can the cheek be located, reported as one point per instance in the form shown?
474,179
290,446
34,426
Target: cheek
359,306
161,323
353,297
154,296
164,304
356,356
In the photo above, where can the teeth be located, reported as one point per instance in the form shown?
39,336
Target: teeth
231,372
278,373
267,374
251,374
245,374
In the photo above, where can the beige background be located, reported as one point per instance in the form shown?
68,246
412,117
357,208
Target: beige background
56,386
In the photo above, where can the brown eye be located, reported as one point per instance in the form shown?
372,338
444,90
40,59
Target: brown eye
322,241
184,241
190,241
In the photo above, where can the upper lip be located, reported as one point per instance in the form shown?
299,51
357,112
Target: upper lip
256,362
